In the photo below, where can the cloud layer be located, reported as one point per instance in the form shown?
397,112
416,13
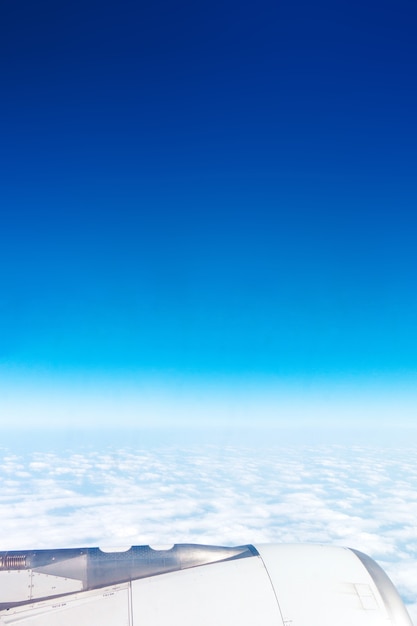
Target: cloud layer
365,498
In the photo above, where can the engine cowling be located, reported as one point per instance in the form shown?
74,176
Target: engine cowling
189,585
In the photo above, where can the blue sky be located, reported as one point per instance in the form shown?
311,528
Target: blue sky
207,202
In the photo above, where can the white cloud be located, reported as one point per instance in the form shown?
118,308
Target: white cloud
364,498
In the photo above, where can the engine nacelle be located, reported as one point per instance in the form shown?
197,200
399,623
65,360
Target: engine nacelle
192,585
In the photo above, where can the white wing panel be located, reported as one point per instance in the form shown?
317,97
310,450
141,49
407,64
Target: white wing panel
44,585
322,586
21,585
232,593
15,586
104,607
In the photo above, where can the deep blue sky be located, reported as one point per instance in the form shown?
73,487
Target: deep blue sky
208,189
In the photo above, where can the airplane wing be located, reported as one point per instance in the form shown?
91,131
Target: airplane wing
195,585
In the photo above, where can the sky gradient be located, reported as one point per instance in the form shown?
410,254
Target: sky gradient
207,202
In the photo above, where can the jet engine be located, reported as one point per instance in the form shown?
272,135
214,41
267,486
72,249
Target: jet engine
196,585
